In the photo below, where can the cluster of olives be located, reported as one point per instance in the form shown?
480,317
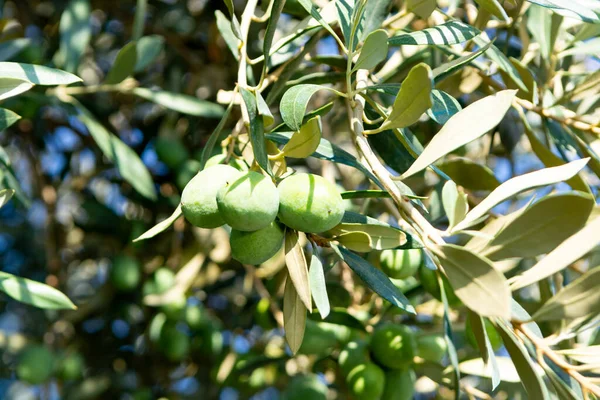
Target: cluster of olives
382,369
37,364
251,204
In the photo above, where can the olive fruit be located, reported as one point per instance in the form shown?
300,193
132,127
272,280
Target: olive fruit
35,364
199,197
366,382
125,273
400,264
249,203
399,384
256,247
309,203
432,348
393,346
353,354
173,343
304,387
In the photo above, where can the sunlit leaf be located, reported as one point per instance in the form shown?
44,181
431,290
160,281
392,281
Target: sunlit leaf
297,267
443,106
181,102
475,281
34,293
464,127
543,177
306,141
451,32
148,50
75,33
294,317
316,276
11,87
493,7
161,226
36,74
224,26
5,196
585,10
469,174
485,348
455,203
294,102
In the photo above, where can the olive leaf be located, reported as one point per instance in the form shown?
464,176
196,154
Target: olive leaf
256,130
5,196
373,51
10,87
181,102
306,141
34,293
493,7
422,8
318,289
36,74
124,64
294,102
455,203
297,267
75,33
294,316
161,226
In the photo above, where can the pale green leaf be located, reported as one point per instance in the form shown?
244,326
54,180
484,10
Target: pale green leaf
374,15
541,227
513,186
75,33
589,47
443,106
562,256
124,64
304,142
373,51
413,99
129,164
294,102
469,174
498,57
530,376
539,23
578,299
366,237
422,8
464,127
11,48
485,348
34,293
345,11
224,26
477,367
450,67
181,102
318,289
455,203
493,7
294,317
451,32
36,74
161,226
375,279
297,267
475,281
10,87
148,49
229,4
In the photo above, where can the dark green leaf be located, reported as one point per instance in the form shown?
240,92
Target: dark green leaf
374,50
443,106
447,69
256,130
7,118
294,102
124,64
485,347
276,9
493,7
161,226
374,15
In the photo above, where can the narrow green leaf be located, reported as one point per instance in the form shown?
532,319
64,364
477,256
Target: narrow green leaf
373,51
11,48
422,8
464,127
562,256
36,74
485,347
353,221
375,279
451,32
306,141
294,102
10,87
378,237
276,9
5,196
469,174
345,10
124,64
129,164
256,130
584,10
75,33
450,67
229,4
365,194
413,99
475,281
161,226
181,102
34,293
263,110
561,387
297,267
455,203
139,19
374,15
543,177
148,50
539,24
530,378
497,56
449,337
578,299
493,7
224,26
506,369
589,47
541,227
318,288
314,12
443,106
294,317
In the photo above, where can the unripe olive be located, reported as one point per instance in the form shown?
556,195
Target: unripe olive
399,384
393,345
199,198
173,343
432,348
171,151
249,203
309,203
164,279
366,382
196,317
35,364
71,366
256,247
400,264
125,273
305,387
353,354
